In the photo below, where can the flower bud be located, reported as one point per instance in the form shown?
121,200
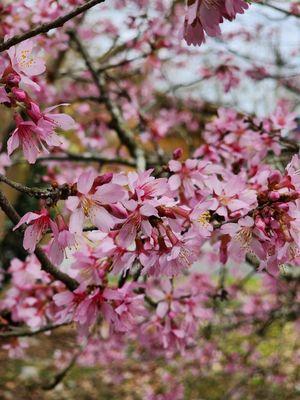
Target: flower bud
177,153
259,223
274,178
102,179
273,196
12,79
19,94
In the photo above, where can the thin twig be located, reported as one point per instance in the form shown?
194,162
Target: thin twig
28,332
286,12
51,194
44,28
87,158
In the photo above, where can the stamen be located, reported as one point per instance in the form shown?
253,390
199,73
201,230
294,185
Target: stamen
25,61
204,219
184,256
244,236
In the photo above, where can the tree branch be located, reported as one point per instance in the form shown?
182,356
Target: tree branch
46,264
44,28
125,135
27,332
288,13
87,158
51,194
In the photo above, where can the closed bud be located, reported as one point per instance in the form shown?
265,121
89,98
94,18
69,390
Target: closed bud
273,196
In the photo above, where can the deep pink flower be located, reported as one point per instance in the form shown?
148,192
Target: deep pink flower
204,17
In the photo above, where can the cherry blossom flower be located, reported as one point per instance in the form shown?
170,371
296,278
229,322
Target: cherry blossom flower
37,223
28,135
204,16
91,203
62,239
26,62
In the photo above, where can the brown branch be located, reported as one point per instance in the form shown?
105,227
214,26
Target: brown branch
51,194
32,192
27,332
46,264
87,158
125,135
44,28
61,374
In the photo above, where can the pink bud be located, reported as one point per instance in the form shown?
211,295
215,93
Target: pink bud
274,178
259,223
34,111
19,94
283,206
102,179
12,79
177,153
118,211
273,196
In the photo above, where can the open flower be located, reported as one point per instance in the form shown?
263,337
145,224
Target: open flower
26,62
27,134
62,238
91,202
38,224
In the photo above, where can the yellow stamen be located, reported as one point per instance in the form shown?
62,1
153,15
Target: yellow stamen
204,219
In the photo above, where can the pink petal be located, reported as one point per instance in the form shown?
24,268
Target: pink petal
85,181
109,193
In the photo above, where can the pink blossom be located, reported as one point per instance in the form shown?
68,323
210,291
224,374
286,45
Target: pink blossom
37,223
28,135
204,16
26,62
62,239
92,203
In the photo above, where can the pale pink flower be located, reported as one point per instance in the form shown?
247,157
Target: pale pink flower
92,203
37,223
204,17
231,197
62,238
27,134
26,62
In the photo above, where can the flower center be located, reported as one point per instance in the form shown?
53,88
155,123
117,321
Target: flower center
204,219
244,236
25,61
184,256
86,205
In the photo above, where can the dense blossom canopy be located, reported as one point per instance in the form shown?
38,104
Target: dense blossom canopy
148,212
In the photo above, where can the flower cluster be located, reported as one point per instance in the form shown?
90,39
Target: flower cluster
205,16
159,221
35,129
